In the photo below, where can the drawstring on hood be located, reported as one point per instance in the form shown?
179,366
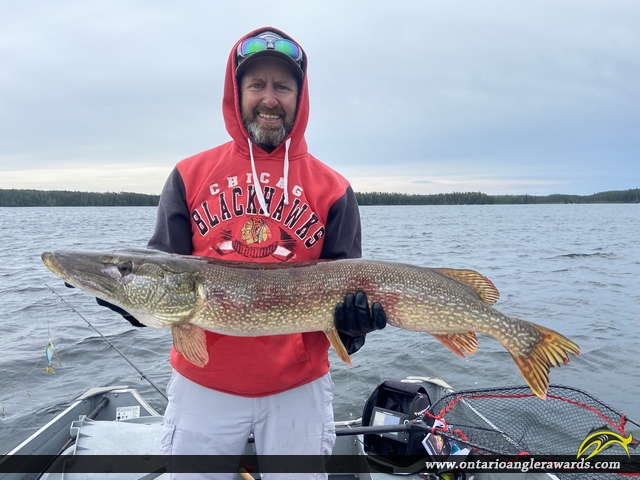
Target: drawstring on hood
285,174
256,181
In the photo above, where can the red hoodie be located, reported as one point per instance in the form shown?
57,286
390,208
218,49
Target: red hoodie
209,207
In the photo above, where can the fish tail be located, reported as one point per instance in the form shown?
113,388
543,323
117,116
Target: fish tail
551,350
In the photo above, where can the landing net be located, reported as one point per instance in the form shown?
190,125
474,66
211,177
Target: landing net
512,421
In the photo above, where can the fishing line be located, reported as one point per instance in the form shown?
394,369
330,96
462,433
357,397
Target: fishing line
50,352
47,368
111,345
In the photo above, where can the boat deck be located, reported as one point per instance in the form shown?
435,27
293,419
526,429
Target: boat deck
108,431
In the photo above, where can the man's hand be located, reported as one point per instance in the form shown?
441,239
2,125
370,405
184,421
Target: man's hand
127,316
354,320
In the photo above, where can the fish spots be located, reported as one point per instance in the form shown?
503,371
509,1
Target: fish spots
363,283
217,294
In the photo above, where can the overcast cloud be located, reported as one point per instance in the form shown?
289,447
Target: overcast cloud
423,96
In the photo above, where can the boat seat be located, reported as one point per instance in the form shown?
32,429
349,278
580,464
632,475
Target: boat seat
140,436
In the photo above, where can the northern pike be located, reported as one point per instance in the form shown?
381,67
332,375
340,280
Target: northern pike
191,294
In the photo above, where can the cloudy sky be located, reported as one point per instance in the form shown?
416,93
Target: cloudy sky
425,96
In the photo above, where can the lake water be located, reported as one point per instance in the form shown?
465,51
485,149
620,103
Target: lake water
573,268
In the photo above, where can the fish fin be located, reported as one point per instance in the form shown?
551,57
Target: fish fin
480,284
459,343
338,346
551,350
191,342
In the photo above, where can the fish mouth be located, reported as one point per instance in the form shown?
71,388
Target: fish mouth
82,271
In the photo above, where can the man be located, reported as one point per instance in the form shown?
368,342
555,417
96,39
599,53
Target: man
262,198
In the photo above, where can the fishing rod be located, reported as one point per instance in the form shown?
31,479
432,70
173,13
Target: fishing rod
111,345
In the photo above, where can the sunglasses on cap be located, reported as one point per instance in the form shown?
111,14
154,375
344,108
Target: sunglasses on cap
269,42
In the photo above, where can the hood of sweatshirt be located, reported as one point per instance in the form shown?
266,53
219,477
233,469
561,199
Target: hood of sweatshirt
233,119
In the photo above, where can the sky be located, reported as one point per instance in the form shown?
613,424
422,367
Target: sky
425,96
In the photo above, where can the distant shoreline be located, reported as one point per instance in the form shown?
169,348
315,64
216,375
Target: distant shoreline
478,198
66,198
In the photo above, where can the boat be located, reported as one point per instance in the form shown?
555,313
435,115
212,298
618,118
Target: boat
112,432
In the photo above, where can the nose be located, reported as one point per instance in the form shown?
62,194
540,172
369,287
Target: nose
270,99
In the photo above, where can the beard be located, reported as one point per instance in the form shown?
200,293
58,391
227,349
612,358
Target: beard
268,137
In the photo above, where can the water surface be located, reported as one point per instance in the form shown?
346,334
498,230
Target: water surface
573,268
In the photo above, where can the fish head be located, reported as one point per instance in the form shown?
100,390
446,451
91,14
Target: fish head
157,288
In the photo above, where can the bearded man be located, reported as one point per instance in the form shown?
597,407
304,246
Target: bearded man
261,197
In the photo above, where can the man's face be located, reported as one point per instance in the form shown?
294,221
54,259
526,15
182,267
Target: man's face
268,101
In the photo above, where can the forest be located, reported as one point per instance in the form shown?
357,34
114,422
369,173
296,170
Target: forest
65,198
478,198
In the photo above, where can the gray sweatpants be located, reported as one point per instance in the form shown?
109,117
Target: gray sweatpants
201,421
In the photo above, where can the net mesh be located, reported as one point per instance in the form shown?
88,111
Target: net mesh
513,421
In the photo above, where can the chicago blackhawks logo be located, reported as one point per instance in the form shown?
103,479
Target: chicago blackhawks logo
255,230
235,223
256,241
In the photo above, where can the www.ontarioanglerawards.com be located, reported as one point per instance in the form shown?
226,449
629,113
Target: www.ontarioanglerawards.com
523,466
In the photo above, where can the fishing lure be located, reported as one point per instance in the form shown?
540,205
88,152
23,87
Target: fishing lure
50,354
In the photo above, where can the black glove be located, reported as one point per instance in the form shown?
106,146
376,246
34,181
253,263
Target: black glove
127,316
354,320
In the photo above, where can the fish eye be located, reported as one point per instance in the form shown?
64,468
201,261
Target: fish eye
125,267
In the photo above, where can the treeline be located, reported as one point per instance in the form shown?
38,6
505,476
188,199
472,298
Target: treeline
65,198
477,198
